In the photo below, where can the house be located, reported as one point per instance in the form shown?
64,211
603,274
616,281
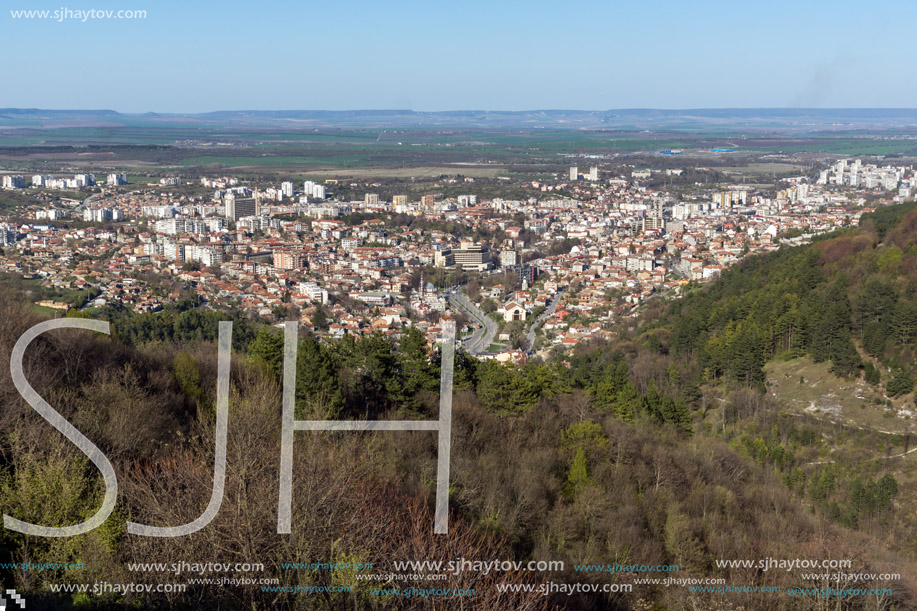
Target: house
513,311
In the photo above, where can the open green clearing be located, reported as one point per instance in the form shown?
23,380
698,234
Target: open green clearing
809,387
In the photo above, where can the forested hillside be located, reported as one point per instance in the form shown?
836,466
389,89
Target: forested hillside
668,445
855,290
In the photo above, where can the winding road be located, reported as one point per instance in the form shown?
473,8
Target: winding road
86,202
549,312
481,338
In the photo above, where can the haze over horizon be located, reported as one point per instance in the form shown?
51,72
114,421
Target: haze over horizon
184,58
369,109
758,120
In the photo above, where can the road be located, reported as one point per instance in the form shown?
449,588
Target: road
549,311
86,202
481,338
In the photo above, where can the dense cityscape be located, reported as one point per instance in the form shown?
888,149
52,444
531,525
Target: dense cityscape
542,273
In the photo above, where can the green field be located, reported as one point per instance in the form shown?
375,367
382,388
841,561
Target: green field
46,311
168,145
35,292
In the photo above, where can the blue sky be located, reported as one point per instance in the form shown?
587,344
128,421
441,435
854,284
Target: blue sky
499,55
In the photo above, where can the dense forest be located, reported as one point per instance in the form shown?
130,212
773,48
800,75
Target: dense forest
666,445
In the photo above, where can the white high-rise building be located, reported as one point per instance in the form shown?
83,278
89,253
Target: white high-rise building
7,235
574,173
313,189
313,291
13,182
287,189
509,258
593,173
84,180
160,212
101,215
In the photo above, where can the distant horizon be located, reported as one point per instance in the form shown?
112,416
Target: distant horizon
460,110
736,119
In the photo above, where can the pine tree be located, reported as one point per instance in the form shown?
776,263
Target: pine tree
875,335
578,478
845,360
267,347
886,491
318,389
901,384
904,322
188,374
628,402
871,374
